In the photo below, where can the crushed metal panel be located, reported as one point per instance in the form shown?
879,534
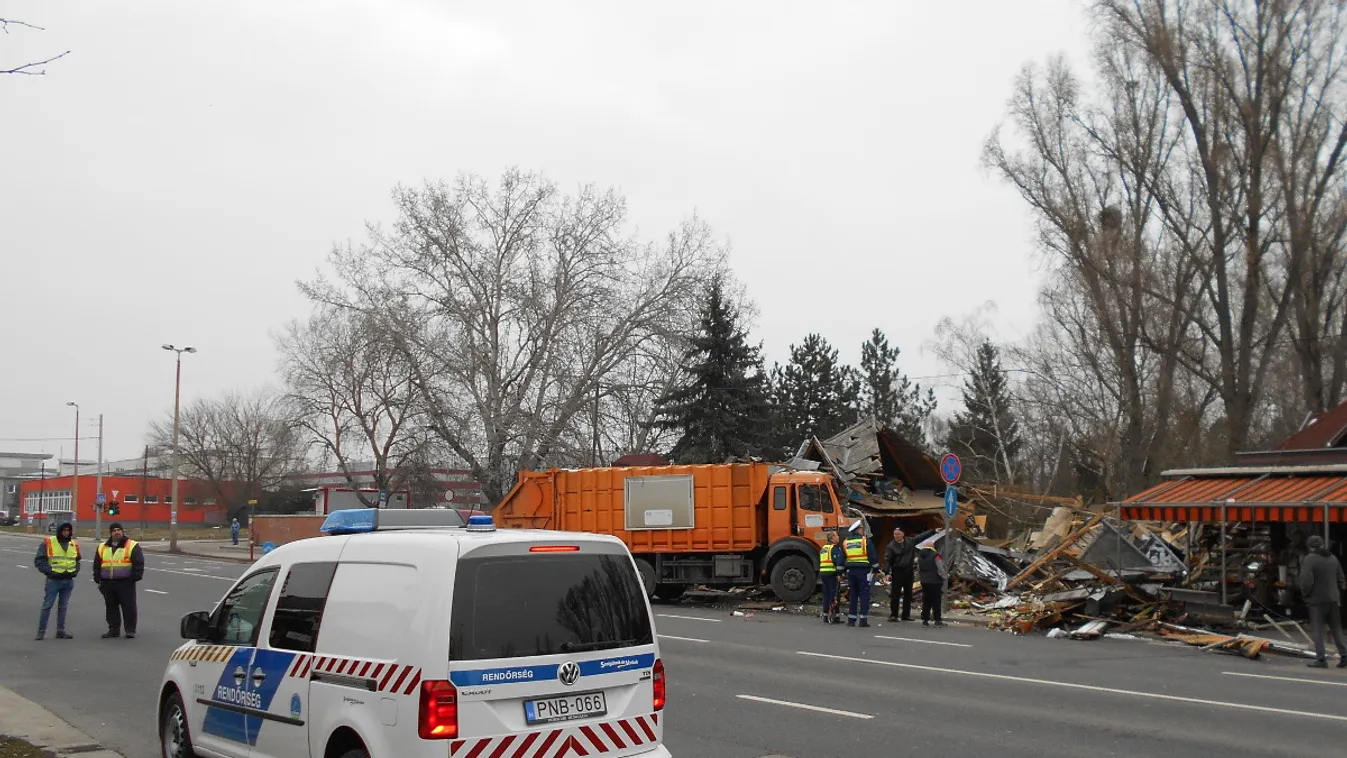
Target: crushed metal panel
1108,546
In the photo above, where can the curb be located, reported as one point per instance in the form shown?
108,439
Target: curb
23,719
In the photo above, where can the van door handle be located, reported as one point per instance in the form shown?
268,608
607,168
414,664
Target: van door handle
259,676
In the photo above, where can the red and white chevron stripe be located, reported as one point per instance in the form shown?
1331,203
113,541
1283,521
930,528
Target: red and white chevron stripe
390,677
601,739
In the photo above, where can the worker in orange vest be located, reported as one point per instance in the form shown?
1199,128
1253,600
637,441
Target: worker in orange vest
118,565
58,558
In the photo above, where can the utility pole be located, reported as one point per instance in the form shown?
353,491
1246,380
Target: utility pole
144,477
177,394
75,486
98,503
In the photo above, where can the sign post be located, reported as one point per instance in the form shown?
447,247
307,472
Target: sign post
950,471
99,501
252,514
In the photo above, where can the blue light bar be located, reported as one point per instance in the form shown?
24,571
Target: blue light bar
481,524
351,521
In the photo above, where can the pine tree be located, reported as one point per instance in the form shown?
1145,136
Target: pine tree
888,395
816,395
722,408
985,434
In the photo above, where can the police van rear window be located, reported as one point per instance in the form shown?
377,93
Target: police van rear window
546,604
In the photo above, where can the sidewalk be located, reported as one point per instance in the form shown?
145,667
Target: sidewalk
220,550
26,720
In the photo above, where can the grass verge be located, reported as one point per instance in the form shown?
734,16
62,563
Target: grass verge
13,747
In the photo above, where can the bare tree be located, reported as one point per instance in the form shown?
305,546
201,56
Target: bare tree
351,389
240,444
514,305
27,69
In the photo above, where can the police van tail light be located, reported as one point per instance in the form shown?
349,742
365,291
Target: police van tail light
658,681
438,718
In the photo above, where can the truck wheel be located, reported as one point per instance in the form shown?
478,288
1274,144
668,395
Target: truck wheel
669,592
794,579
647,572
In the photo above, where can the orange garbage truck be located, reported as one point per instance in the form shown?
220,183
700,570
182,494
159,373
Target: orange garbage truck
718,525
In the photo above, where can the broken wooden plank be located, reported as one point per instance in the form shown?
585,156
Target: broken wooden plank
1056,551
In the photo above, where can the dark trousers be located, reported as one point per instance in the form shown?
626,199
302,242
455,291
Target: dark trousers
829,594
901,588
119,598
1326,614
858,582
57,593
930,600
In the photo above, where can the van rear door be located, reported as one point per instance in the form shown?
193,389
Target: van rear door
552,651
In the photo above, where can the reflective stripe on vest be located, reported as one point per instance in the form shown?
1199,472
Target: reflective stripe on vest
62,560
115,562
857,552
825,560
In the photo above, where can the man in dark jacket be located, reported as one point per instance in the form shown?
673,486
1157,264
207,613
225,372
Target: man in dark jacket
118,565
931,568
1322,583
898,558
58,558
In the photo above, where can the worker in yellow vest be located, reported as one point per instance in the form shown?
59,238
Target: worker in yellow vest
118,565
861,562
830,561
58,558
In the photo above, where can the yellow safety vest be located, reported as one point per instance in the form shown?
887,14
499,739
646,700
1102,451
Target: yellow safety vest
62,560
115,563
858,553
825,560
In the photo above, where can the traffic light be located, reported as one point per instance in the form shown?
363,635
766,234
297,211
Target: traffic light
113,508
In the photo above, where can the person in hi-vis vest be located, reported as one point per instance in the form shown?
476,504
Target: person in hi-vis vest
861,561
118,565
58,558
831,559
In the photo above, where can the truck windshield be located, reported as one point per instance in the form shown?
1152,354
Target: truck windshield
545,604
814,497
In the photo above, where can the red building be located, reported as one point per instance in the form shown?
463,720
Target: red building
139,500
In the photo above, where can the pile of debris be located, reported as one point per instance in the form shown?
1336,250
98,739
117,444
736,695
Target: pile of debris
1081,577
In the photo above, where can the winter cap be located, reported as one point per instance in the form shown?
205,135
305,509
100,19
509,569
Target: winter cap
1315,542
115,525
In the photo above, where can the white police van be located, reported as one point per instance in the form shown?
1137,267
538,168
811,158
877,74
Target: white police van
398,637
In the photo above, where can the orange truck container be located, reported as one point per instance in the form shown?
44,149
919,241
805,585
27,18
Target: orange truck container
718,525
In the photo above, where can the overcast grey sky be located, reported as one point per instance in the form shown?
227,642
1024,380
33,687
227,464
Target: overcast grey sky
171,178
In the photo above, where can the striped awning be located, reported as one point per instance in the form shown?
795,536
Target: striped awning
1251,497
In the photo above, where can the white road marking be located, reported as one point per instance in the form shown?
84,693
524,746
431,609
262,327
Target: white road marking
157,592
688,618
199,576
924,642
684,639
805,706
20,565
188,568
1285,678
1074,686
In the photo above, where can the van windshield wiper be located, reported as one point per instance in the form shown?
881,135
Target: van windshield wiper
580,647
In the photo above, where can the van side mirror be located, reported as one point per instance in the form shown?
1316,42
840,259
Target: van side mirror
195,625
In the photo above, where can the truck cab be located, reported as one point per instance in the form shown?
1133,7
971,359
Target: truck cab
802,509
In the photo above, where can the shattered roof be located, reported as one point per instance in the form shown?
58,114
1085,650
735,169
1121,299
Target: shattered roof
868,447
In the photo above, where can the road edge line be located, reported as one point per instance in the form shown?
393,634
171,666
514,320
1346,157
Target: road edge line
24,719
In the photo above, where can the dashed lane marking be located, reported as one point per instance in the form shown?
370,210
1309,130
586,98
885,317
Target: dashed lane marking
1285,678
687,618
804,706
1074,686
924,642
157,592
683,639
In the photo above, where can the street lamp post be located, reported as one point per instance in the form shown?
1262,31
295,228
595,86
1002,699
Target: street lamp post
177,394
75,486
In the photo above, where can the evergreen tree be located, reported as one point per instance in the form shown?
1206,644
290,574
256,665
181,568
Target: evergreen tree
815,394
985,434
888,395
722,408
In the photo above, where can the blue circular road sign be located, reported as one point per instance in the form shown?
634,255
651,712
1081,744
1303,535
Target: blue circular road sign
950,468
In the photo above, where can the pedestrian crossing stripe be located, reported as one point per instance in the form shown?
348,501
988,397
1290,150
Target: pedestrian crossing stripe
207,653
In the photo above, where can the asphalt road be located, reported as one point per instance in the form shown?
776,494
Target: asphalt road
776,684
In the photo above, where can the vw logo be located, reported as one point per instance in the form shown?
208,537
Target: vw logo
568,673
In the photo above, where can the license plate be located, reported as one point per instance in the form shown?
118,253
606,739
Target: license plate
569,708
